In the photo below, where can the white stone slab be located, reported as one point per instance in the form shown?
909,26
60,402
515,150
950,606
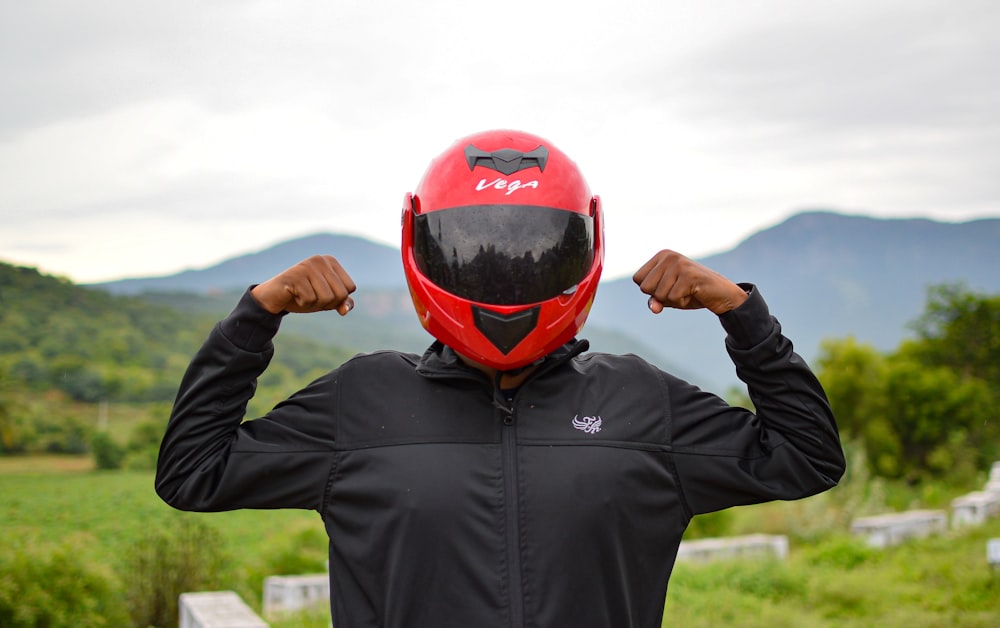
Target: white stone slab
974,508
293,593
216,609
732,547
993,553
894,528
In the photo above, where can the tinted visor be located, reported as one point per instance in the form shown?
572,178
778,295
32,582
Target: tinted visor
504,254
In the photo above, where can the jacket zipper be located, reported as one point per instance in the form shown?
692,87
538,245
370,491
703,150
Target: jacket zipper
512,512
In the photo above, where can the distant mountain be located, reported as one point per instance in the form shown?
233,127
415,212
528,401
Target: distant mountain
823,274
378,267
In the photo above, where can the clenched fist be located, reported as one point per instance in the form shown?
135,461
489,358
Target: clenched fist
316,284
674,281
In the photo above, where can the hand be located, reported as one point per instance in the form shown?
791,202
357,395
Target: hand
316,284
675,281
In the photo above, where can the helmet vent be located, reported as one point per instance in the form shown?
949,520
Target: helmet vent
505,331
507,160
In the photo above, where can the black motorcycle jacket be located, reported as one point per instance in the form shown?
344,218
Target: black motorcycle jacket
451,504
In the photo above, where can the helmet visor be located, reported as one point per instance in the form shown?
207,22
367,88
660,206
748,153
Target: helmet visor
504,254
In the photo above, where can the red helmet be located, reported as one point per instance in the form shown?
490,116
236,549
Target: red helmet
503,247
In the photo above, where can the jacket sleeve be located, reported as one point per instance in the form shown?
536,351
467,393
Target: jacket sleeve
727,456
211,460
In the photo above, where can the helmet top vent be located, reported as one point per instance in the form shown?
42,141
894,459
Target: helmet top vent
506,160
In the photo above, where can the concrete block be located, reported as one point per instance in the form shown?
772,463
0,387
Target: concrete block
974,508
293,593
895,528
754,546
216,609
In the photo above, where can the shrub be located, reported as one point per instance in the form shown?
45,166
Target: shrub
56,587
107,453
182,554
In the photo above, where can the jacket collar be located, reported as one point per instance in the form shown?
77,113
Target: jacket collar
441,360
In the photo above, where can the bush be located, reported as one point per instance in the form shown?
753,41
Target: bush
56,587
182,554
69,435
107,453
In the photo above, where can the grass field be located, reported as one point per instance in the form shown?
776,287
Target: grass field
828,580
53,501
49,498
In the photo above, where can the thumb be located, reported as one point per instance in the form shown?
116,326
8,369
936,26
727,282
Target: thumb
346,306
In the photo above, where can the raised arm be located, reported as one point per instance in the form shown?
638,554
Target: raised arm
727,456
210,459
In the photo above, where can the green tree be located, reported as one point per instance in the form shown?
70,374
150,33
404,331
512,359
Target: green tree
928,408
961,329
851,374
935,416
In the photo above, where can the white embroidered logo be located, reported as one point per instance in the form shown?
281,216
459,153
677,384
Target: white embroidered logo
588,424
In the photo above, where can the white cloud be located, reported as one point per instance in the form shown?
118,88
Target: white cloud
218,127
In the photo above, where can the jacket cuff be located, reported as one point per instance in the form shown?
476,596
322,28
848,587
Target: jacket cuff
249,326
749,324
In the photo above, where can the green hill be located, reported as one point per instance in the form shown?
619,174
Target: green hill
63,346
87,343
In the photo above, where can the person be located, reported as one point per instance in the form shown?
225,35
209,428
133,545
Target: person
507,476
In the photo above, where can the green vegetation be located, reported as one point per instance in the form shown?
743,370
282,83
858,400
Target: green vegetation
86,381
139,552
75,362
930,409
88,344
840,582
106,528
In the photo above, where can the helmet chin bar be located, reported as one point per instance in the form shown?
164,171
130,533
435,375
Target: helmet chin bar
505,331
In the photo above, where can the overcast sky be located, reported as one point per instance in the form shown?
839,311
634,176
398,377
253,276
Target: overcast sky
141,138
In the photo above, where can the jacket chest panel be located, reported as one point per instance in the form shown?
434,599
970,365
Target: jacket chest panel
449,491
416,410
588,410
